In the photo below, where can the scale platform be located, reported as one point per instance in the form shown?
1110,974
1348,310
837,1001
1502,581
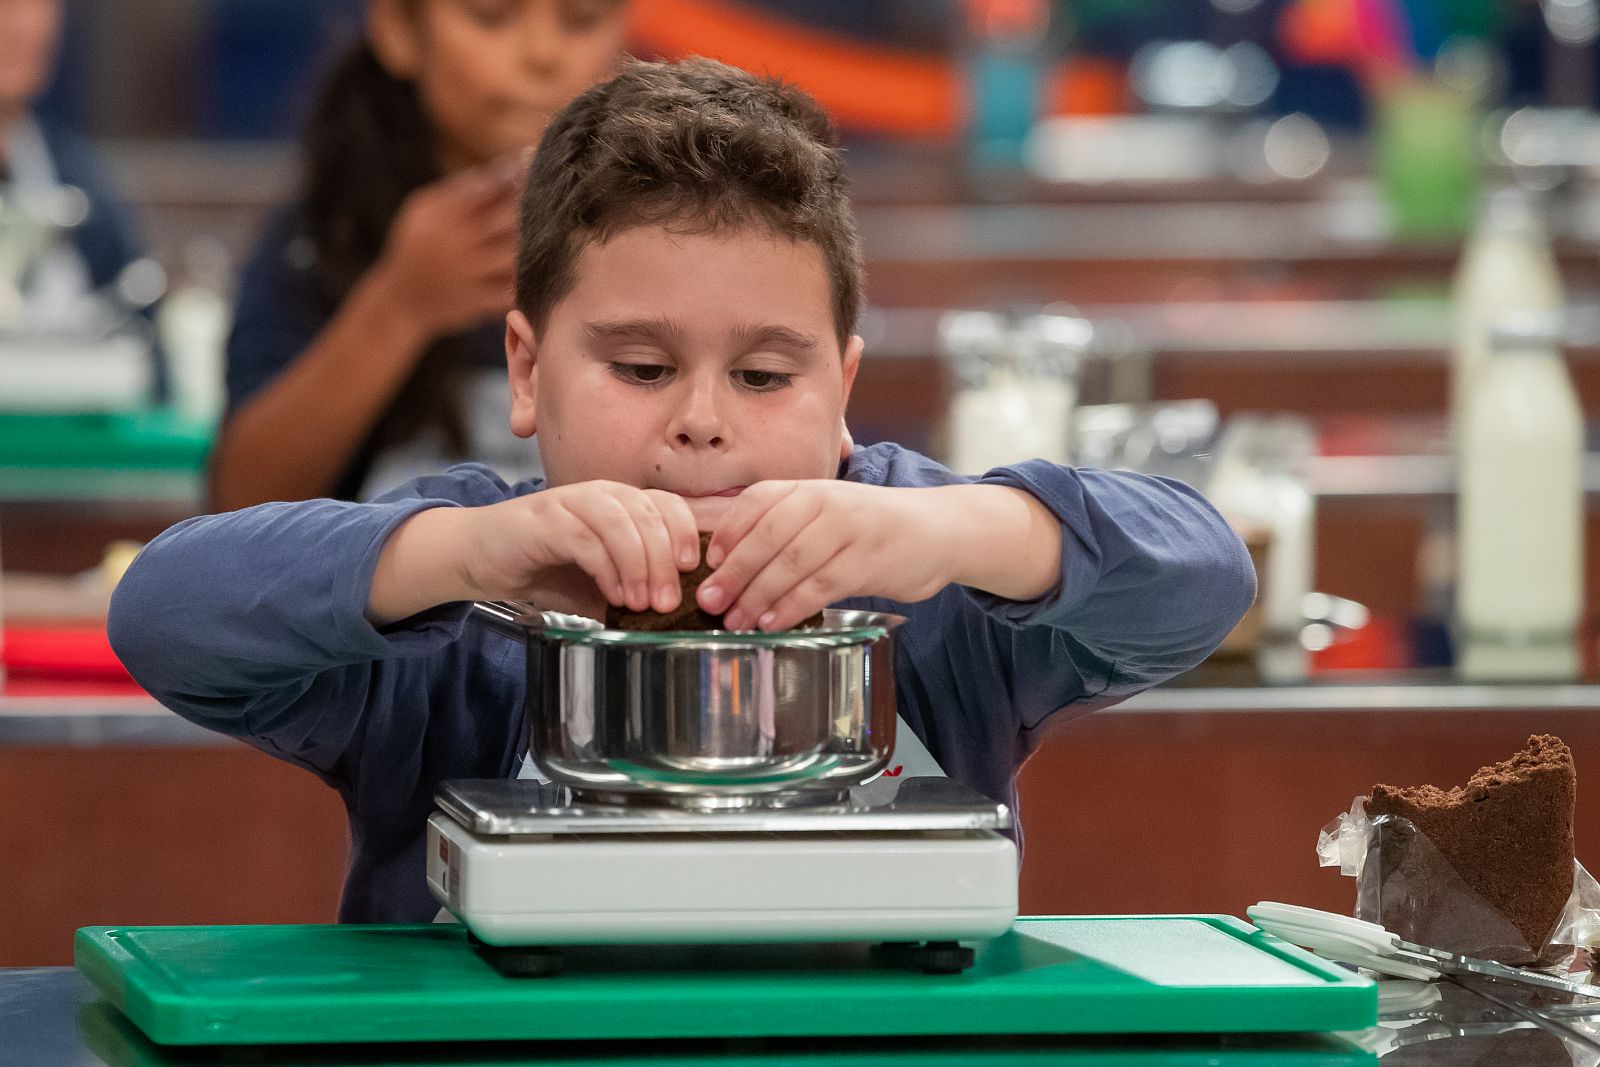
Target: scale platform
521,864
303,985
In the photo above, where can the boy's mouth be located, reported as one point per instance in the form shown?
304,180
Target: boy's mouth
731,491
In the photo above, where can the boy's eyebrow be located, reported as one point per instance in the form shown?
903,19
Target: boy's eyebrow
667,333
753,337
658,329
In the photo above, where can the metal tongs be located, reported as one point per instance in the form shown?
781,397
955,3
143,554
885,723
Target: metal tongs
1346,939
1356,941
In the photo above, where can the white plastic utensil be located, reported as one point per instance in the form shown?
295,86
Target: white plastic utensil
1350,940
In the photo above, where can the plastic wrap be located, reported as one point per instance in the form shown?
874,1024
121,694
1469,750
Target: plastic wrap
1407,885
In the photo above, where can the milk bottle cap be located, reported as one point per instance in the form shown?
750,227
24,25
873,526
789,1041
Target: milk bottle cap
976,343
1521,330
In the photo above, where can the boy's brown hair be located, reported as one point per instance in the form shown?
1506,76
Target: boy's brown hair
696,145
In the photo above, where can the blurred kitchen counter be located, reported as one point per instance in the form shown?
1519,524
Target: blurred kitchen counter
78,715
1182,799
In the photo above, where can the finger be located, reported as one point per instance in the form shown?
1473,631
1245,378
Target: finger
663,587
497,240
741,517
681,527
789,575
572,591
785,519
495,273
610,521
493,270
476,187
589,554
512,167
826,585
497,224
496,292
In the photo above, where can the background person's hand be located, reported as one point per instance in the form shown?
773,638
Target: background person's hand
450,258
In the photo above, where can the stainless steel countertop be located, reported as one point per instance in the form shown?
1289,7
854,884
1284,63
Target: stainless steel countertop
140,721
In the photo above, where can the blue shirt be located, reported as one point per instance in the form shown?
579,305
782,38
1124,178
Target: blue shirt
253,623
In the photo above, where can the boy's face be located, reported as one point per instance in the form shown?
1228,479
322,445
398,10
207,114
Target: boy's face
694,363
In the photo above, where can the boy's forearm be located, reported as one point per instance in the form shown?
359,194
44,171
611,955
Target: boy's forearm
1006,542
420,566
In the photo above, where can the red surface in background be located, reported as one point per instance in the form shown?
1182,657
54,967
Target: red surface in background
77,660
1384,644
61,652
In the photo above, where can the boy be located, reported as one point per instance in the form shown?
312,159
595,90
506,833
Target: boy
688,278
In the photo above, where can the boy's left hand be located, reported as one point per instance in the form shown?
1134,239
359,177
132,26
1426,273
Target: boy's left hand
784,550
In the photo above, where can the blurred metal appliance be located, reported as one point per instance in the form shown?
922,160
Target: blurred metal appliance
64,346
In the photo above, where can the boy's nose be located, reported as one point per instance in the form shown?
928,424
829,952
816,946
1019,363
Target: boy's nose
697,423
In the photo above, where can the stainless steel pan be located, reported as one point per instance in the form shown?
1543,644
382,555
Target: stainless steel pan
710,720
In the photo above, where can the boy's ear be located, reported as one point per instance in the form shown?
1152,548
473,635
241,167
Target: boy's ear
522,372
852,363
392,31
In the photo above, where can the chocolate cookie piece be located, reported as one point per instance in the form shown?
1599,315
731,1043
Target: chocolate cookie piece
1507,832
688,615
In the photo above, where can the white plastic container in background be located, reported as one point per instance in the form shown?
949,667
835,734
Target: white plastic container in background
1506,268
1519,510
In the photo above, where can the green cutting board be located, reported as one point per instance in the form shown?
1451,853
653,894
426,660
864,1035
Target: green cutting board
1078,975
108,1034
155,439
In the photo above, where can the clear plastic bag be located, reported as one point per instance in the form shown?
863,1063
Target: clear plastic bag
1407,885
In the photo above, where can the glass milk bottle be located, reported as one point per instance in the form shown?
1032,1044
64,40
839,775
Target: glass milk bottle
1520,508
194,321
992,419
1049,348
1506,267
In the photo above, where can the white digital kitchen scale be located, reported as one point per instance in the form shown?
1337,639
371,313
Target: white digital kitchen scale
528,870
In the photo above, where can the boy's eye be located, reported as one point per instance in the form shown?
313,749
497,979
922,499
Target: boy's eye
764,381
640,373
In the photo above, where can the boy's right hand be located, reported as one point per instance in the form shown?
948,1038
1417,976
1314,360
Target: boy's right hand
631,542
548,548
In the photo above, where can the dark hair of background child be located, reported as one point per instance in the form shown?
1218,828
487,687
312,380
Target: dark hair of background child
368,145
